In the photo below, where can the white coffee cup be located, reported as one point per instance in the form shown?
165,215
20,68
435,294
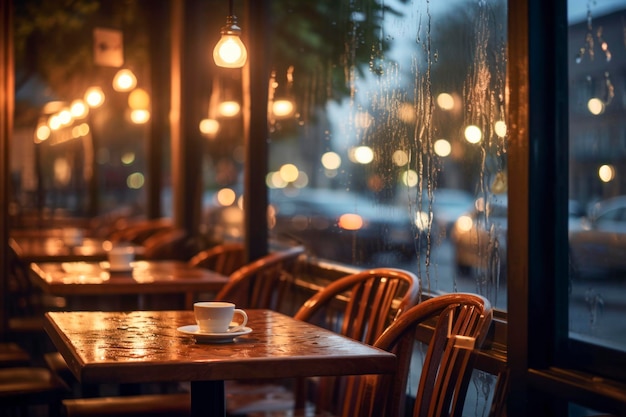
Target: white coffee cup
216,316
121,257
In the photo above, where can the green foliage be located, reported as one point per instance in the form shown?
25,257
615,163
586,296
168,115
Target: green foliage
325,39
54,40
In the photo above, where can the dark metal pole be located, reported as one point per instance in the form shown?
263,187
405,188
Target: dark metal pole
160,106
255,81
94,180
188,54
7,99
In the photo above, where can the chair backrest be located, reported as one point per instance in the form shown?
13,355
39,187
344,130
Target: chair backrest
263,283
172,244
224,258
360,306
20,302
459,324
138,231
373,298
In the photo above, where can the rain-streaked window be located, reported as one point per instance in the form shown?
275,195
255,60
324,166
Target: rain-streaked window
83,106
597,184
393,151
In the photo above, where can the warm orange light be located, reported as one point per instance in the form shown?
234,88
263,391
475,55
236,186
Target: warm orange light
209,127
230,52
139,99
350,221
282,108
78,109
42,133
94,97
229,108
139,116
124,80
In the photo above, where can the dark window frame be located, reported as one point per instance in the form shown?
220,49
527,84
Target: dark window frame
548,368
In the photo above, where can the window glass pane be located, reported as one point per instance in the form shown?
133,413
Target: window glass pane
597,226
70,163
394,152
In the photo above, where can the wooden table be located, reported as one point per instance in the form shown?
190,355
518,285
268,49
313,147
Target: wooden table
145,346
77,280
54,249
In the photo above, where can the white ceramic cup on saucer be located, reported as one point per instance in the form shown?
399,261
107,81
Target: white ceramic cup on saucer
216,316
120,257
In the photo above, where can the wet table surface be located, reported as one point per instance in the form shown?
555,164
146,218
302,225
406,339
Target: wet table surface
144,277
145,346
56,249
149,285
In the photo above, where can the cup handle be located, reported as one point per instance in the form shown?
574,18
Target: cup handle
243,323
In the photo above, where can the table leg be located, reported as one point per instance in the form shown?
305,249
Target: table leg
207,399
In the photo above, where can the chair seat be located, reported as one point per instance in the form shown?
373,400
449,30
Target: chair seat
153,405
241,398
12,355
26,324
307,412
24,386
246,398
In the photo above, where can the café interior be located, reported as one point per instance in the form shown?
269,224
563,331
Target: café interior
417,205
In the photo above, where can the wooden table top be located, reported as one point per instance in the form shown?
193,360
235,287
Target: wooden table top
55,249
145,346
146,277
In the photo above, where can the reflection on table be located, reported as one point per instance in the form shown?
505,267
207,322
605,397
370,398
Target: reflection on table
57,249
138,347
76,280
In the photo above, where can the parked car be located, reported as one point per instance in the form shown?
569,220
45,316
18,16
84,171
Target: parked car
344,227
479,237
438,209
599,243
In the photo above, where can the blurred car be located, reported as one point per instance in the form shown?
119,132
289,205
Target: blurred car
345,227
448,205
479,237
438,209
599,243
332,224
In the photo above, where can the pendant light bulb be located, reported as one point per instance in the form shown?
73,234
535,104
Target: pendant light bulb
230,52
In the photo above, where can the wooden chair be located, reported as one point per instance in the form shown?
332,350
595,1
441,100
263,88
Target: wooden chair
148,405
138,231
459,323
11,355
263,283
359,306
225,258
25,307
373,299
171,243
22,388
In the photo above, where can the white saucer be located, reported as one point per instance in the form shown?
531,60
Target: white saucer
200,337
